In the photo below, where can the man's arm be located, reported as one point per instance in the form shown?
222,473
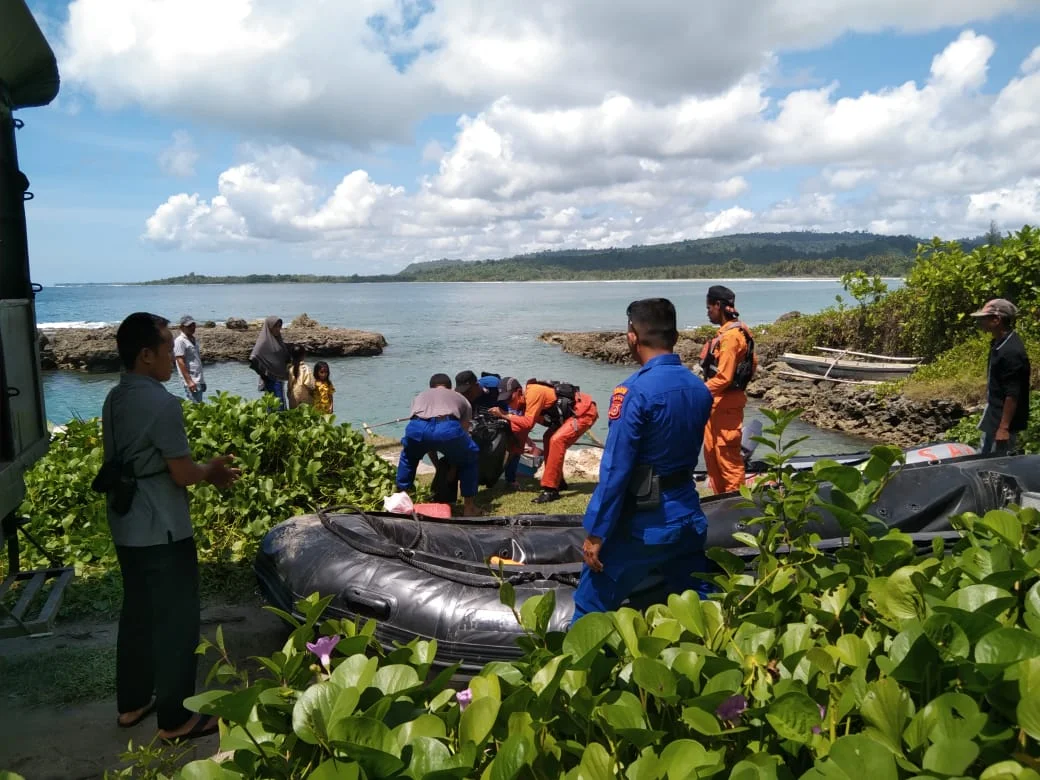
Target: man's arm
1004,429
185,471
182,366
169,437
1009,370
521,424
615,471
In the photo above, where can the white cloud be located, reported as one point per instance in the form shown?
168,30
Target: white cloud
1013,205
365,71
179,158
939,157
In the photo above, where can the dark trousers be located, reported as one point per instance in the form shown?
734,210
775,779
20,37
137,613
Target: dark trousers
629,562
449,439
159,629
276,387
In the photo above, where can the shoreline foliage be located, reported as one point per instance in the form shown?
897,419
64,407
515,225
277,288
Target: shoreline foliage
292,463
882,658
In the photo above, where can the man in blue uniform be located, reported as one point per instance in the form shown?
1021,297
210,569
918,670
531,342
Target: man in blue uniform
645,517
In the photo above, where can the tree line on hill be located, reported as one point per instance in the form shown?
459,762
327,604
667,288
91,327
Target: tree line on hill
755,254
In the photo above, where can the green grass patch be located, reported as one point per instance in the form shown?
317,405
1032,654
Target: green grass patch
64,676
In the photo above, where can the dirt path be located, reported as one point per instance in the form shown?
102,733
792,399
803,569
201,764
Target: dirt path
79,741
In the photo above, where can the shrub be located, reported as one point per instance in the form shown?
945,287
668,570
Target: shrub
947,284
292,463
875,660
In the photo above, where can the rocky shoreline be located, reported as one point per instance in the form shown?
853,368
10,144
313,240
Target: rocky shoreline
93,350
852,409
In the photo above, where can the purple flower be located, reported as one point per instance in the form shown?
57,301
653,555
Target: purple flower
464,698
323,648
732,708
823,716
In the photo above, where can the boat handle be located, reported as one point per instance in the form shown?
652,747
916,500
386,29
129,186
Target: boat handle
368,605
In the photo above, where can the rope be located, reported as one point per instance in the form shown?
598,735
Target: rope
481,578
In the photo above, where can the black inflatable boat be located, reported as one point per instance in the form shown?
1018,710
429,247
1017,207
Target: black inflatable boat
430,578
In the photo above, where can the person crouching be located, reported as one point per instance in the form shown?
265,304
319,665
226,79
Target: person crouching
439,425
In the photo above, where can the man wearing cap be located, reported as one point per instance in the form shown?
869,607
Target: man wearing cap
189,360
479,394
440,423
1007,380
728,362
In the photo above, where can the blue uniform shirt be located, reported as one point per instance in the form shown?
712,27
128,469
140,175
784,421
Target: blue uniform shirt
657,417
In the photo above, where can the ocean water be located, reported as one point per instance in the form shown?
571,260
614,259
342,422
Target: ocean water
430,327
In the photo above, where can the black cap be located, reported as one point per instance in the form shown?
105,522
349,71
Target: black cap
464,381
507,387
719,293
440,380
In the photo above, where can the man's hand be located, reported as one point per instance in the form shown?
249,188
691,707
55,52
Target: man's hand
219,473
1002,434
590,552
192,386
494,411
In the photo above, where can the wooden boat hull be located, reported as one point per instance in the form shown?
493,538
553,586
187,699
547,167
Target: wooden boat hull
848,369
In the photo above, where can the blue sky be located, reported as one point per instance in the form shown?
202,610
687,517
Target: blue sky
541,163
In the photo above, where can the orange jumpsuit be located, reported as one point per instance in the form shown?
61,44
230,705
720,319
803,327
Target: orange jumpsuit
537,399
723,458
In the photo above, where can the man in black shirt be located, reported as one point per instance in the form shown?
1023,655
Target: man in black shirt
1007,384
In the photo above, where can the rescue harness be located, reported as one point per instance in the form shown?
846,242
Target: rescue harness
566,399
745,369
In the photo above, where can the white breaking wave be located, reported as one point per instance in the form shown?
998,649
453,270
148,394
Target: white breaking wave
74,324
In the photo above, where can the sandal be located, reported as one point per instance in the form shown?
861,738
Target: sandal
204,726
148,709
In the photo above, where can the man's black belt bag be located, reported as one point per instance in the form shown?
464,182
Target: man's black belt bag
117,480
645,486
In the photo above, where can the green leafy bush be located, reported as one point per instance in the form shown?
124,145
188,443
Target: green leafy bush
947,284
292,463
876,660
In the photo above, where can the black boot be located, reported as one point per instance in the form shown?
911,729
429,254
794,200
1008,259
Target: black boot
547,495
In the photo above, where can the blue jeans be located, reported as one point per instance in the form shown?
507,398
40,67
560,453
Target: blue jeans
630,561
194,397
447,437
988,445
276,387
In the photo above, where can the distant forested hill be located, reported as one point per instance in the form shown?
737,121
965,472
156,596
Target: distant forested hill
752,249
751,254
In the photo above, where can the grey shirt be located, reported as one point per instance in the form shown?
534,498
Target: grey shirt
441,402
189,350
144,424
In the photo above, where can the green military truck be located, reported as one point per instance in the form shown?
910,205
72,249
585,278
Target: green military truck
29,600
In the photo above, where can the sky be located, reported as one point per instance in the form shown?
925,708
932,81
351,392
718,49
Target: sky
330,137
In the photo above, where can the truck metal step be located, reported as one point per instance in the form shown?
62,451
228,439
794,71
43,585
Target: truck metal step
21,619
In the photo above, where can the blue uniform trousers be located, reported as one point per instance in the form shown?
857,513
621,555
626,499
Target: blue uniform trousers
447,437
628,562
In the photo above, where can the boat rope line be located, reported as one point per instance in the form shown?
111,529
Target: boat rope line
462,572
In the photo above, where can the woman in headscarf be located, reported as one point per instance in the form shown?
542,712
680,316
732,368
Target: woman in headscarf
270,359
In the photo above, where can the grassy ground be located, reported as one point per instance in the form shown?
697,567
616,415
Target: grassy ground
62,676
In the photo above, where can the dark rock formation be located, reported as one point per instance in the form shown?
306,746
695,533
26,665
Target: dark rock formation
236,323
853,409
94,349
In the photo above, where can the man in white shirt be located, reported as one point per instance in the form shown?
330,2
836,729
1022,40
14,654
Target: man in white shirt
189,360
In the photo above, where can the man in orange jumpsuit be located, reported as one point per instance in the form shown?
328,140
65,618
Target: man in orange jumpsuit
728,361
565,423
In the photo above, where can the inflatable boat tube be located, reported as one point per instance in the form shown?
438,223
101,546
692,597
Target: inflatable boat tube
430,578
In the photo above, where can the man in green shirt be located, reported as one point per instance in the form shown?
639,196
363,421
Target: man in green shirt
143,427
